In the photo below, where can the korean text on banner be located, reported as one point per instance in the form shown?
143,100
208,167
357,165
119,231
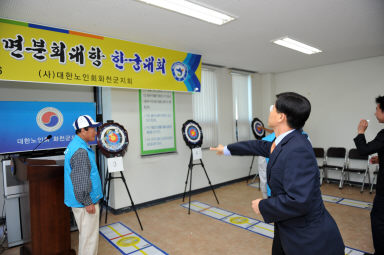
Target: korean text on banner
36,53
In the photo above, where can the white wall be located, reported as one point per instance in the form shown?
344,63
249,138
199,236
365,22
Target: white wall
159,176
30,91
340,94
263,95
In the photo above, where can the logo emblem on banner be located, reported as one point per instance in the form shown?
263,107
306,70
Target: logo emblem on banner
179,71
49,119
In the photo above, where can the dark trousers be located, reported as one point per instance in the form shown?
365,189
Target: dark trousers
377,224
277,248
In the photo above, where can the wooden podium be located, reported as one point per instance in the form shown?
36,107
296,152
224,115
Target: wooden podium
49,217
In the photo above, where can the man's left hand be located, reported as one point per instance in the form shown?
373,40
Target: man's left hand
255,205
363,124
374,160
90,209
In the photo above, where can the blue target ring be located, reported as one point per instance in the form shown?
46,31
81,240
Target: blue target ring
193,133
258,128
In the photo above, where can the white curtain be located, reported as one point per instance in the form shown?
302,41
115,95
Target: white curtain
205,108
242,103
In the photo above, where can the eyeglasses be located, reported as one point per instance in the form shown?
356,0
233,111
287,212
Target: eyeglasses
271,108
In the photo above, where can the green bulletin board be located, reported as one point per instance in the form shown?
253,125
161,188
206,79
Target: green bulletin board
157,121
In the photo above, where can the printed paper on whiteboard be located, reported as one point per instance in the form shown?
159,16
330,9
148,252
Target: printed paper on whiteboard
115,164
197,153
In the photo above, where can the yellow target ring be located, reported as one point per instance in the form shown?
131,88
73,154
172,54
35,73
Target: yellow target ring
128,241
239,220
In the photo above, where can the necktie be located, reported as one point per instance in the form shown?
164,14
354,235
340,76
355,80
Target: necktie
273,146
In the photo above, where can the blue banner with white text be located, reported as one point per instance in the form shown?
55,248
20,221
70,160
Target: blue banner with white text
23,125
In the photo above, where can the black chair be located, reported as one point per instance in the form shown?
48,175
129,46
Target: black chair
374,178
335,160
319,153
357,164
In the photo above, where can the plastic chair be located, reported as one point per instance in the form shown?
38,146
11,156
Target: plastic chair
357,164
374,178
335,160
319,153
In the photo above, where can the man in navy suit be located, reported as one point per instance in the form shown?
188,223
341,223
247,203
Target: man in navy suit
302,224
376,145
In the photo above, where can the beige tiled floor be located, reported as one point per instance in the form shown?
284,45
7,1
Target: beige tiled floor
170,228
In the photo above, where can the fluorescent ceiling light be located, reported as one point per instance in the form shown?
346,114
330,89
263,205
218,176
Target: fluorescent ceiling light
295,45
192,9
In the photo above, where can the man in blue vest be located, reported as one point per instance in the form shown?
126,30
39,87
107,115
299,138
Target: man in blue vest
82,184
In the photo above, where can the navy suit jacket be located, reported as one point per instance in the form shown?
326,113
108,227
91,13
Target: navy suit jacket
376,145
296,206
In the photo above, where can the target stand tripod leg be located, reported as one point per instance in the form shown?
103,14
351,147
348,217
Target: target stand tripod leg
130,197
186,181
109,192
250,169
209,181
102,204
256,175
190,191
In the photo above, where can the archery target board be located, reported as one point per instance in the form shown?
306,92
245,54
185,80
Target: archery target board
192,134
112,139
258,128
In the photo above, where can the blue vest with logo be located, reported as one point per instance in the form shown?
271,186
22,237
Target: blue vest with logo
69,195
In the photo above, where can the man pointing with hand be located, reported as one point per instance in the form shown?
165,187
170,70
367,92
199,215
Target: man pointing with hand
302,224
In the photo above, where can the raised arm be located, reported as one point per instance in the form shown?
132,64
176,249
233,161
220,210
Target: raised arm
373,146
247,148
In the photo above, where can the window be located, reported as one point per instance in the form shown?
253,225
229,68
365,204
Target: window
242,103
205,108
